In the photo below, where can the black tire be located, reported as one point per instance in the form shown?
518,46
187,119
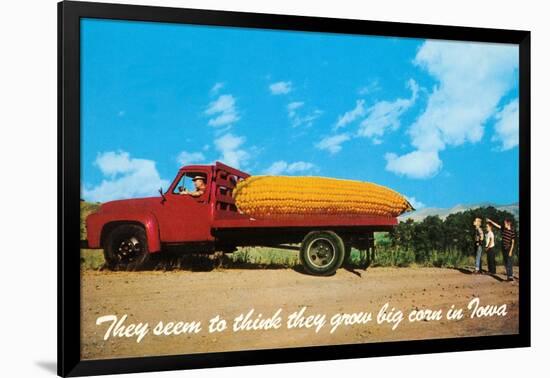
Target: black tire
322,253
126,248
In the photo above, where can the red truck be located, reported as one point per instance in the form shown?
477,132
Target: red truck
131,230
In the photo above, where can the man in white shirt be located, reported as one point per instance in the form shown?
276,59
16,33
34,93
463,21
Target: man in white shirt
490,248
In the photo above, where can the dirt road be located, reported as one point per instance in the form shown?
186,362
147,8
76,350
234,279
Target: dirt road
198,296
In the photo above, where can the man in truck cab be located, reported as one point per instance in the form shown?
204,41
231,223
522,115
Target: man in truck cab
200,187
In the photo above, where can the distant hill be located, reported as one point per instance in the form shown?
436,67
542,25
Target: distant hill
419,215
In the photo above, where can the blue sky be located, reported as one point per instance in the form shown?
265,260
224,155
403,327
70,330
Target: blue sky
434,120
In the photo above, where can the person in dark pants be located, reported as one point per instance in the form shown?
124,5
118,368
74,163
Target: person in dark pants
490,248
508,245
478,244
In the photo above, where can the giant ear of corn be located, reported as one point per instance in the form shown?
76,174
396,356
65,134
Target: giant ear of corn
281,196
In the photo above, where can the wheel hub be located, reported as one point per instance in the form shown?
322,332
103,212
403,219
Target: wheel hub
321,252
128,249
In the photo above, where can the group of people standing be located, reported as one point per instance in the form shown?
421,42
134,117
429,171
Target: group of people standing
486,241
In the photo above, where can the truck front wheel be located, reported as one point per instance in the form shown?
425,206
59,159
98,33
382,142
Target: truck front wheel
126,248
322,253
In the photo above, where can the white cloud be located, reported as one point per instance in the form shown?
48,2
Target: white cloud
281,167
299,166
224,103
352,115
216,88
507,126
280,87
293,107
385,115
276,168
415,203
185,158
297,119
472,79
306,120
231,152
333,144
114,163
223,111
380,117
224,119
126,177
370,88
416,164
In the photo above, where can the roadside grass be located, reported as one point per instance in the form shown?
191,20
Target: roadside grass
86,208
91,259
395,257
438,259
264,257
272,258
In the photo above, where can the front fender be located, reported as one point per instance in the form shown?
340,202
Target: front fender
98,223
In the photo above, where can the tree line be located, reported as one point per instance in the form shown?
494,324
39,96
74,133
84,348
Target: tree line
439,242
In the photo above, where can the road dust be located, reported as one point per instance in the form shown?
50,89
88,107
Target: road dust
242,309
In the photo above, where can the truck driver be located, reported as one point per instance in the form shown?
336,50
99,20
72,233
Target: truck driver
200,187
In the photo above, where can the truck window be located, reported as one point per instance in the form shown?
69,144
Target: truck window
186,182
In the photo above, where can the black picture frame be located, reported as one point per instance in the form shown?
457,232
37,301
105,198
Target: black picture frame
69,15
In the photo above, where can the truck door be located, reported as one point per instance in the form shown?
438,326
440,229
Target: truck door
187,209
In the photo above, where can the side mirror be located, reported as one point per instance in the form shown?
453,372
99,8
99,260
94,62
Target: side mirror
162,195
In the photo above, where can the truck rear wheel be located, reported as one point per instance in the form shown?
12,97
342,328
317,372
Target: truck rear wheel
322,253
126,248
